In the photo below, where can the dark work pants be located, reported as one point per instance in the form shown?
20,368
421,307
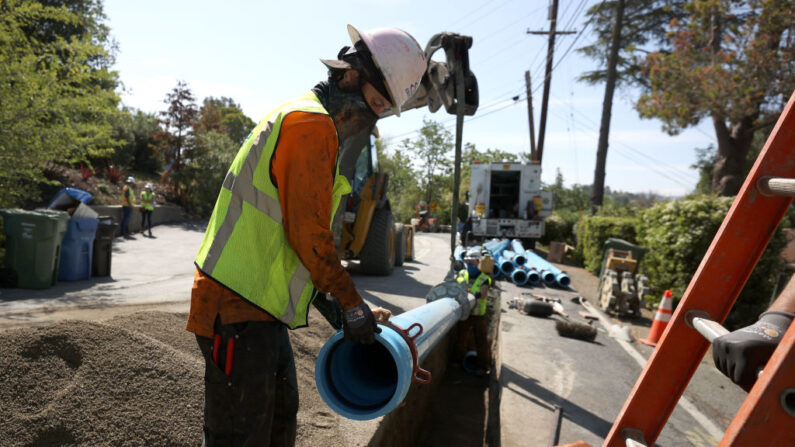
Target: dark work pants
126,212
146,217
257,404
481,327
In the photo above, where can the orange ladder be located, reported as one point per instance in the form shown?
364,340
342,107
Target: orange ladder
767,417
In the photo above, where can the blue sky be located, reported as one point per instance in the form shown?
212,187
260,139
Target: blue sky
263,53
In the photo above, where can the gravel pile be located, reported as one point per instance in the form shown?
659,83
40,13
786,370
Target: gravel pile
131,381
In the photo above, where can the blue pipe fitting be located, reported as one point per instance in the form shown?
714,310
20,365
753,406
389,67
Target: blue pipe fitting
519,277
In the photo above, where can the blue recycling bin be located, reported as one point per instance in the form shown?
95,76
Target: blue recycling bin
77,249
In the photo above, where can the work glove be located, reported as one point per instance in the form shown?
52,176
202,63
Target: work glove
740,354
358,324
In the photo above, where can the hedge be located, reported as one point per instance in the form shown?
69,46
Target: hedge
678,234
592,232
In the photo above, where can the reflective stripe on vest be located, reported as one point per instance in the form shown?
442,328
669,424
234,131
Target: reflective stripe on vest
148,201
480,305
245,247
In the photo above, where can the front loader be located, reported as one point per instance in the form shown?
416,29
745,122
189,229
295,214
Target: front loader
364,228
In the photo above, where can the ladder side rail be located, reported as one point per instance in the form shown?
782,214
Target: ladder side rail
767,416
729,261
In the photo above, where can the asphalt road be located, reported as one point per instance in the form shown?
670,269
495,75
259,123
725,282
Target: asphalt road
539,368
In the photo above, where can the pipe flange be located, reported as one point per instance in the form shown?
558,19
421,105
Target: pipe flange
454,290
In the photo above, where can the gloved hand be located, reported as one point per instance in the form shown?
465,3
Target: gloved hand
741,353
358,324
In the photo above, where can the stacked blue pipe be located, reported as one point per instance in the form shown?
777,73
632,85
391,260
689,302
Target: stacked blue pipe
550,274
363,382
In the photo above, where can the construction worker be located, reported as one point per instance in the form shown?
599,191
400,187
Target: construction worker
477,283
127,204
147,208
268,251
742,353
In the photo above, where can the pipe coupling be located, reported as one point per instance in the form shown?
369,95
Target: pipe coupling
454,290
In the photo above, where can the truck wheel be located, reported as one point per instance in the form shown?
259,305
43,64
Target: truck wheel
400,244
378,253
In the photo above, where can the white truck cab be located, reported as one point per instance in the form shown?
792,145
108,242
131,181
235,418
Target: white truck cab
505,200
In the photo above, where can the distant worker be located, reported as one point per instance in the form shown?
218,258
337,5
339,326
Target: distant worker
740,354
268,251
147,208
127,204
477,283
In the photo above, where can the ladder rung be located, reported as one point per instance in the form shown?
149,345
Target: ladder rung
701,322
776,186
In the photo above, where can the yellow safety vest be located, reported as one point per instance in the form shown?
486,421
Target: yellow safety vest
480,305
127,196
245,247
147,199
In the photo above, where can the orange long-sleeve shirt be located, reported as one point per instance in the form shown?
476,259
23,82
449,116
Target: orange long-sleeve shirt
303,171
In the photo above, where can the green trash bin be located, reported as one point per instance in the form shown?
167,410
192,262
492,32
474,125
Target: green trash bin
33,245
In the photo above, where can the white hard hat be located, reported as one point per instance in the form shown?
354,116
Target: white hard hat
130,180
148,186
472,253
399,57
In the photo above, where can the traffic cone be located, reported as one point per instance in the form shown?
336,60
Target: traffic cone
661,319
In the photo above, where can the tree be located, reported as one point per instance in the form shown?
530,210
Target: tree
178,120
643,29
225,116
139,150
57,91
431,148
731,62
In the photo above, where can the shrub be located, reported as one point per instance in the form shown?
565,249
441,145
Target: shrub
560,227
113,175
678,235
85,172
197,184
592,232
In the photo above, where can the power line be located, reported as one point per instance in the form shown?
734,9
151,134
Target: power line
469,14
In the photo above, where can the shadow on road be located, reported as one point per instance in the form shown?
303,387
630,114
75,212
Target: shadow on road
531,389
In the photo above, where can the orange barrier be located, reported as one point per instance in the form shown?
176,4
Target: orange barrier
661,319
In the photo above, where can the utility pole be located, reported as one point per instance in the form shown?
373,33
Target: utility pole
542,124
528,84
597,194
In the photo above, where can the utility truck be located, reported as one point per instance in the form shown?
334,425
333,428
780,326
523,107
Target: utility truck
505,200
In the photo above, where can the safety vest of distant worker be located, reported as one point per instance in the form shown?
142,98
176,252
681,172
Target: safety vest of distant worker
245,247
148,201
480,305
127,196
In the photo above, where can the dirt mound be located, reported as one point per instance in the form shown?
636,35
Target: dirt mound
135,380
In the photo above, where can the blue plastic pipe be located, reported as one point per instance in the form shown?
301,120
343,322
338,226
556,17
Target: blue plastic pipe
506,266
496,247
533,277
548,270
363,382
519,277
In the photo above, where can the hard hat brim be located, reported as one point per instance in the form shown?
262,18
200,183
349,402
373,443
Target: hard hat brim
336,64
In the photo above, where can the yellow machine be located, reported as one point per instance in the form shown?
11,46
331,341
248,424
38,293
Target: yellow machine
366,229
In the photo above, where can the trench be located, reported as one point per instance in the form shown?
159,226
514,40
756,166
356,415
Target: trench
456,408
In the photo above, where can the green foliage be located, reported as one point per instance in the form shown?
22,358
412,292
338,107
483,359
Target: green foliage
678,235
731,62
592,232
560,227
644,25
403,189
225,116
432,149
139,150
57,98
200,178
177,138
